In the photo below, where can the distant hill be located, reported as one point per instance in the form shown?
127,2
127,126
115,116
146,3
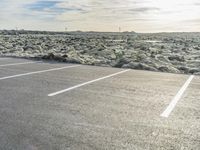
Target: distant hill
17,32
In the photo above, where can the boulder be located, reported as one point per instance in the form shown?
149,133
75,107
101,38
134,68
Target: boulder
122,61
140,66
183,69
176,58
197,73
170,69
56,57
194,70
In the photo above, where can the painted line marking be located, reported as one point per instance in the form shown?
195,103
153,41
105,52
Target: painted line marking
37,72
86,83
4,58
178,96
15,64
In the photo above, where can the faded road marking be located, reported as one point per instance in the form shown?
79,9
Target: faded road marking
178,96
15,64
37,72
4,58
89,82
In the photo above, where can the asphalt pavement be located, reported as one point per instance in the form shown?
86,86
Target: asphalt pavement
59,106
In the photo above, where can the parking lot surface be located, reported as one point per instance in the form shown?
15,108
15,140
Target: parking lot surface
58,106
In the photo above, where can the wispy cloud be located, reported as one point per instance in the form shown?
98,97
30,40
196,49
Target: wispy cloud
53,6
197,4
42,5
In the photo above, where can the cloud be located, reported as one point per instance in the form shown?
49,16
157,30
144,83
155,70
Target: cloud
41,5
144,9
191,21
56,6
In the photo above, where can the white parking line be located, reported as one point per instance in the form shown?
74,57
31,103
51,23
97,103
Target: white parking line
89,82
15,64
4,58
178,96
37,72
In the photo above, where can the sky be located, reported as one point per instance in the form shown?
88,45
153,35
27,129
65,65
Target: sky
101,15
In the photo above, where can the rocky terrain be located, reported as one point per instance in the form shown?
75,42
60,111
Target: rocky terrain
166,52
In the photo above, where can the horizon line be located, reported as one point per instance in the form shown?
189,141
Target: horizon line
54,31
